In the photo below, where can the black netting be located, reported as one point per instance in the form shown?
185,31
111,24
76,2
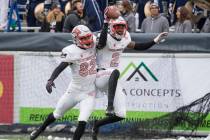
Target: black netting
188,117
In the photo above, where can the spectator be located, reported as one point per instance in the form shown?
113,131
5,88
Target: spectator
173,5
94,14
54,20
164,5
102,5
3,13
155,23
63,4
31,19
200,14
75,17
176,4
183,24
48,4
140,10
206,26
128,15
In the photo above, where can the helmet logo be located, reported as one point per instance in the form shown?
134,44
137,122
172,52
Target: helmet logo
76,32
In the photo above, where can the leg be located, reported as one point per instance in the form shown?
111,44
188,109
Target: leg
50,119
112,85
106,81
120,102
80,130
65,102
119,109
86,108
107,120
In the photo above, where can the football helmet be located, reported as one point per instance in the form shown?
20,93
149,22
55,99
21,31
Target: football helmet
118,28
82,37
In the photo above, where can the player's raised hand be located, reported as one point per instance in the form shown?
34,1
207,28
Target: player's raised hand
49,86
160,37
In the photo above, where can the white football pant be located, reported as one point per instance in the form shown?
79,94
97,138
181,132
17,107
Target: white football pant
71,98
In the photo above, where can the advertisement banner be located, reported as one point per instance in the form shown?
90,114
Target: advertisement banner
153,86
6,88
163,84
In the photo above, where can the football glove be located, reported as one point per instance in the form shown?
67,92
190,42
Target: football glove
160,37
49,86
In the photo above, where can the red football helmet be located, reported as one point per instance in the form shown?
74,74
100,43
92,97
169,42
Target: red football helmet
118,27
82,37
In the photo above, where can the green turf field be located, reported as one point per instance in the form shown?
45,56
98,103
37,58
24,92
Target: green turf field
26,137
86,137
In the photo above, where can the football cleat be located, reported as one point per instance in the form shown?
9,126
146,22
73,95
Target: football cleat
34,134
94,131
110,111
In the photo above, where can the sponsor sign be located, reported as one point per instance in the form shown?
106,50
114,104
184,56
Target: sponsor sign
6,88
154,86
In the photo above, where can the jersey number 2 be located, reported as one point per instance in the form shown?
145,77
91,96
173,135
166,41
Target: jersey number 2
115,59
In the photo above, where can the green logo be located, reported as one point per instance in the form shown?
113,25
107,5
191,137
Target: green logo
137,70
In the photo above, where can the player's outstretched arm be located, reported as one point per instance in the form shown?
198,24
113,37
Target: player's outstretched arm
103,36
147,45
111,12
54,75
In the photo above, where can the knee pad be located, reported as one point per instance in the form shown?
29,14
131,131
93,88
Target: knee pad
102,80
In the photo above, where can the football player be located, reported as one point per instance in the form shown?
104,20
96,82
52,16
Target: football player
108,59
81,57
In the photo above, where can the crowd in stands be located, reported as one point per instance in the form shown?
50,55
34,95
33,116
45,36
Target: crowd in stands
146,16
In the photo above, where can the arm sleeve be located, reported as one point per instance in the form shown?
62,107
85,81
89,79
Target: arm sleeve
144,46
58,70
103,37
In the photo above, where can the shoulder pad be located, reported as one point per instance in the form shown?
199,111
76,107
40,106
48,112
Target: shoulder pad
70,53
